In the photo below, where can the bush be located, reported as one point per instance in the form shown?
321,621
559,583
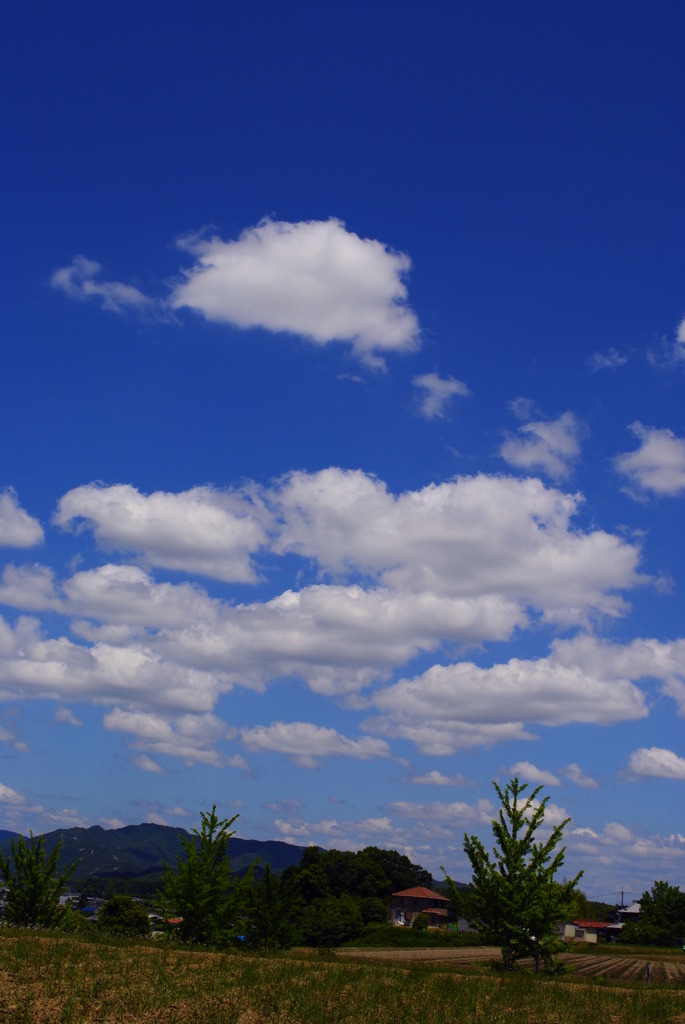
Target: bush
123,916
421,922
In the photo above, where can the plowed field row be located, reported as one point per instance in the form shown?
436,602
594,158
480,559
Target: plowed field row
588,965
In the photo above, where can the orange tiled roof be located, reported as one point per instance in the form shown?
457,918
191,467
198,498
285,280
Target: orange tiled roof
421,892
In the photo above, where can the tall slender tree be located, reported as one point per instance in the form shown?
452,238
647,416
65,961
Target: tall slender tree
514,899
201,889
34,884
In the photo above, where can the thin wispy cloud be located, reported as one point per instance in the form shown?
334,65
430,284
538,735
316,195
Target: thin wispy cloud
435,394
609,360
81,280
574,773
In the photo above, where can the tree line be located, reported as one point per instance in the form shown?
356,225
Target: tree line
514,900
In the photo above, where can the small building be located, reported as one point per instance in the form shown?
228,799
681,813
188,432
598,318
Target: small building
406,904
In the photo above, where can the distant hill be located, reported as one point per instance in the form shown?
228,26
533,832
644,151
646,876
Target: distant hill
137,852
6,837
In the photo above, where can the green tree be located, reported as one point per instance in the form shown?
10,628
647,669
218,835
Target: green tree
34,884
514,900
331,921
662,918
122,915
201,889
272,907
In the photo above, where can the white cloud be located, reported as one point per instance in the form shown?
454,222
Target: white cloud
574,773
436,393
658,465
65,716
608,360
530,773
471,537
9,737
461,705
126,594
29,587
312,278
17,528
551,446
190,737
452,815
146,764
78,281
202,530
112,822
305,742
67,817
671,354
10,796
436,778
657,762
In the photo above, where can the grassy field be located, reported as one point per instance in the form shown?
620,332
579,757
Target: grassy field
69,979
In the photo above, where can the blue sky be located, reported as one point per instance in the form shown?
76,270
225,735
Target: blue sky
344,447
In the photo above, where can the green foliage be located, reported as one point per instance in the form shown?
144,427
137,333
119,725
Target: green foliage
373,910
34,884
201,889
662,918
341,892
331,921
123,916
514,900
591,910
272,908
420,922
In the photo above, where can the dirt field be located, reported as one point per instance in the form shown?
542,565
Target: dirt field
585,965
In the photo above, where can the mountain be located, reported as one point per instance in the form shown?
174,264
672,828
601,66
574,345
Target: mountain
6,838
137,852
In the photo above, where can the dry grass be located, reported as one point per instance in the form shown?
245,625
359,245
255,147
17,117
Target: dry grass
65,979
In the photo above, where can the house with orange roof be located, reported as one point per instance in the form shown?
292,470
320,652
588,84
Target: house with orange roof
406,904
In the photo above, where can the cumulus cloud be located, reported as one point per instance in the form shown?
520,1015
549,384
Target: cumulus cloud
574,773
530,773
550,446
202,530
306,743
658,465
17,528
469,537
608,360
128,595
399,575
436,393
190,737
657,762
29,587
79,281
312,278
460,706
